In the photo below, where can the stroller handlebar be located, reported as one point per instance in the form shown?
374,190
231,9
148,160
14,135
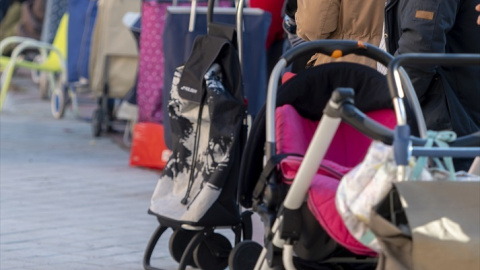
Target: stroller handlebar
394,76
357,119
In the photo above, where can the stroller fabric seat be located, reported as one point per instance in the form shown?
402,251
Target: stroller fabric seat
308,93
321,202
348,148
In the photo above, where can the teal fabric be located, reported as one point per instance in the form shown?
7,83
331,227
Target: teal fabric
441,139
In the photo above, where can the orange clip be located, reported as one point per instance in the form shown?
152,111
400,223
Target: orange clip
337,54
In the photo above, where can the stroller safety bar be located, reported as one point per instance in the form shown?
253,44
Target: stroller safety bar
466,146
357,119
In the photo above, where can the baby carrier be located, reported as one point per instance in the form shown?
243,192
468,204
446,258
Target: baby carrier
196,192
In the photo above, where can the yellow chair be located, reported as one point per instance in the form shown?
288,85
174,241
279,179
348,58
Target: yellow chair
54,65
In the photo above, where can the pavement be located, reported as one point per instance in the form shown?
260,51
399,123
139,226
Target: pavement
68,200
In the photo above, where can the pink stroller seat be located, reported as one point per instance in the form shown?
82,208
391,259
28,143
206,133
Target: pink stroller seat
348,148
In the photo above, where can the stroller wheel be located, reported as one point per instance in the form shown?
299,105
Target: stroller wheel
212,253
178,243
58,102
97,118
244,256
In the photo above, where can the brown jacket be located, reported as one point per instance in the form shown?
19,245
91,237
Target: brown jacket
337,19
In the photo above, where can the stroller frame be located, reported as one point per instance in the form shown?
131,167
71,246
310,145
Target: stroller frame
285,229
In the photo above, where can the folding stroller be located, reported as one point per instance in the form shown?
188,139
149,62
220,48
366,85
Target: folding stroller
294,210
196,192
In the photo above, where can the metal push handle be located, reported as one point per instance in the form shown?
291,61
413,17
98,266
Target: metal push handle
239,23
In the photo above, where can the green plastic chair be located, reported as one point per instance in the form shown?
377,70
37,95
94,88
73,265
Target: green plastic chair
54,65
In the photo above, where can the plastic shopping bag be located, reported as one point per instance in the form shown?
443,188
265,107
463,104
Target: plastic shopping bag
148,146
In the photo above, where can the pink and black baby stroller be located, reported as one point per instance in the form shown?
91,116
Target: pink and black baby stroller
282,133
299,215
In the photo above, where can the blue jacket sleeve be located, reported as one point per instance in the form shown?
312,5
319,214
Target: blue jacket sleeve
424,25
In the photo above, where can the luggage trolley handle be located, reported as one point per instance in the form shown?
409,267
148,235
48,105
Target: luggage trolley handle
193,13
211,4
333,48
239,21
239,4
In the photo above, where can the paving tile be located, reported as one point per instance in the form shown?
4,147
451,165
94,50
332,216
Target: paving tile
67,200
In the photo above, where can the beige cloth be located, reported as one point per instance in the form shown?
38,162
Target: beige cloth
113,40
341,19
444,222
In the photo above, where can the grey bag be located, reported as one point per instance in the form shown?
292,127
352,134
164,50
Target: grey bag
429,225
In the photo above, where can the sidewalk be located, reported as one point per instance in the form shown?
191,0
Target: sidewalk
67,200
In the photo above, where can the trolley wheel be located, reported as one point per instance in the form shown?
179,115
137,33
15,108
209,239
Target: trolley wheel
36,74
44,85
244,256
178,243
97,119
212,253
58,102
74,101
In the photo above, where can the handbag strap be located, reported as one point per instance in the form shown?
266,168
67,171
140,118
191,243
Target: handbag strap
441,139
